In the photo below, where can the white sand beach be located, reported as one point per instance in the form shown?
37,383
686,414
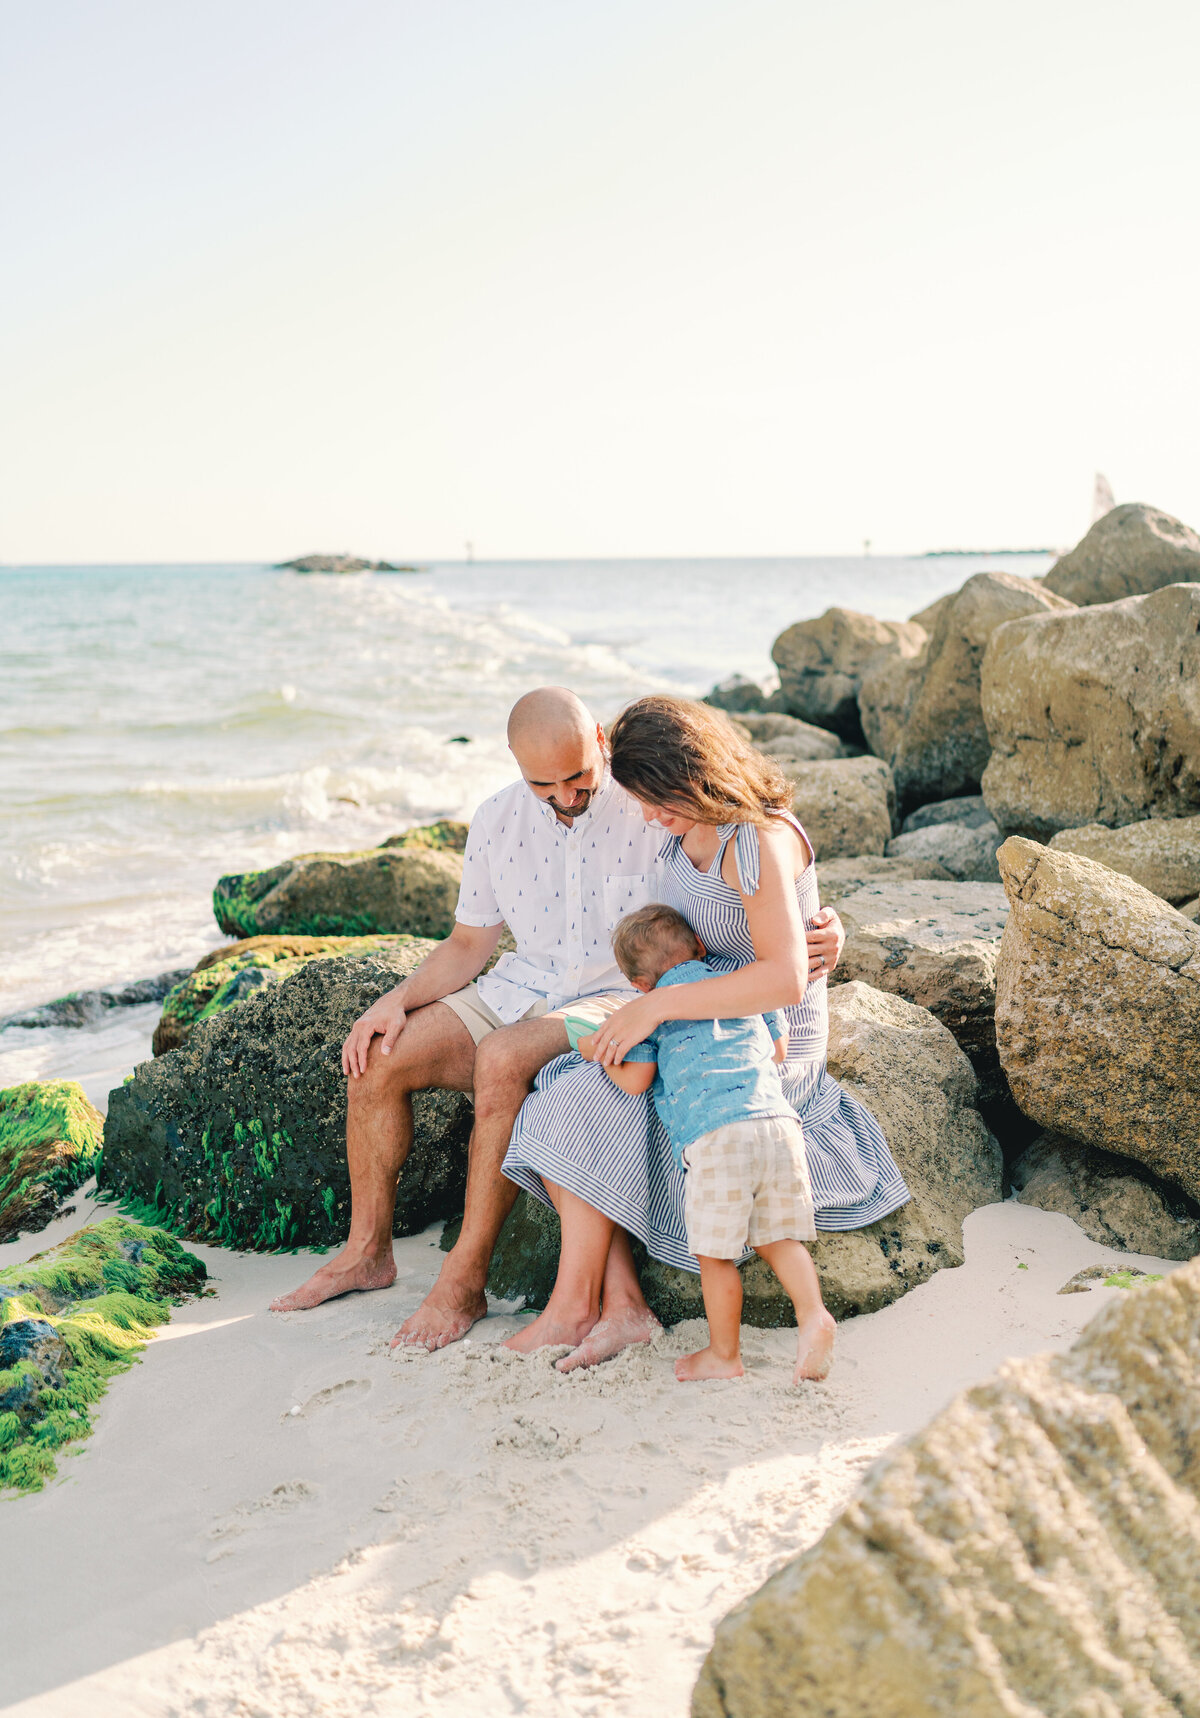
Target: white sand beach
279,1516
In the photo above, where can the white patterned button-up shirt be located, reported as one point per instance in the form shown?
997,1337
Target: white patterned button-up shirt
559,888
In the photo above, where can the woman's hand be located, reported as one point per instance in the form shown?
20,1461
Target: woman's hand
632,1022
826,937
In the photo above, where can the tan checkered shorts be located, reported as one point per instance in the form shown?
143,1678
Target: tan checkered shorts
747,1185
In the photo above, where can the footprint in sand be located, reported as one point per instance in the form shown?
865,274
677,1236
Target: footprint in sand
349,1390
290,1494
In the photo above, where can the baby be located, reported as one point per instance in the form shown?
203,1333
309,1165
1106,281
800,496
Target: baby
719,1096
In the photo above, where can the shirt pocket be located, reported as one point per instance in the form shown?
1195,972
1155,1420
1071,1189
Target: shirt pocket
625,892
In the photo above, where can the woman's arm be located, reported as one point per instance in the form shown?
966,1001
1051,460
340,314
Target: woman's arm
775,978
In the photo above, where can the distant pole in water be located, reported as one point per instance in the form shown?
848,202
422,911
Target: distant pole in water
866,546
470,550
1102,497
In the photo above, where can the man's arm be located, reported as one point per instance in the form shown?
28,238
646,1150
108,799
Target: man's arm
632,1077
445,969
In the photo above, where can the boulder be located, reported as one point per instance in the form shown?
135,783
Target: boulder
1160,853
1129,552
239,1137
787,736
70,1319
1112,1199
841,877
935,944
339,564
85,1007
445,836
226,976
739,693
968,808
966,851
1094,715
50,1137
1191,910
1098,1010
1034,1550
409,889
821,664
939,741
889,685
845,804
908,1070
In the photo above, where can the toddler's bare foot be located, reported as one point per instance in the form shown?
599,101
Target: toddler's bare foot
705,1364
551,1330
610,1337
444,1316
349,1273
814,1348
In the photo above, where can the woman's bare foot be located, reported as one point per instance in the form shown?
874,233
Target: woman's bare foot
349,1273
814,1348
610,1336
704,1363
551,1329
444,1316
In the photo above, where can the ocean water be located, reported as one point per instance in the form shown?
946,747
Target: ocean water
162,725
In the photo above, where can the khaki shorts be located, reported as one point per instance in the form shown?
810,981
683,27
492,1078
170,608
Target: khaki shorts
747,1185
480,1020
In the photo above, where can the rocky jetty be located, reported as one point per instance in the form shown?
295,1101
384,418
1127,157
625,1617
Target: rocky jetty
410,889
1132,550
905,1066
239,1137
339,564
1033,1550
822,662
70,1319
85,1007
50,1138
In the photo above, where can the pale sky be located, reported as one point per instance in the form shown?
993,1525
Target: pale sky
592,277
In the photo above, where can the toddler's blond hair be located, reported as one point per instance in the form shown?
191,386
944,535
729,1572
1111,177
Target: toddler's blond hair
653,940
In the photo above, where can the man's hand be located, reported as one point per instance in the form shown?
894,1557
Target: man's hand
825,937
386,1018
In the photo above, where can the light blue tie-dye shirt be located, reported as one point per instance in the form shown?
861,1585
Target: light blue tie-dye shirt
712,1072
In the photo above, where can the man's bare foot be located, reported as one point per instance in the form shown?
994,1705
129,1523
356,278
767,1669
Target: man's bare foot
444,1316
705,1364
814,1348
550,1330
349,1273
609,1337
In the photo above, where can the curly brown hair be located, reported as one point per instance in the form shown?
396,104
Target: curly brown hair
689,758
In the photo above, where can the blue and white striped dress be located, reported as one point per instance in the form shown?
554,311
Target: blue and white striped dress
580,1132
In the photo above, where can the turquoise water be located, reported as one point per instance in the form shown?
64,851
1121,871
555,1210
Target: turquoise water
161,725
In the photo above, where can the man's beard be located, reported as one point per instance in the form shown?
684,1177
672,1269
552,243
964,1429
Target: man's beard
579,807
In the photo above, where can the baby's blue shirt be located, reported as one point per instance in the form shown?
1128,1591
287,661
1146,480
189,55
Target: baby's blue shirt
712,1072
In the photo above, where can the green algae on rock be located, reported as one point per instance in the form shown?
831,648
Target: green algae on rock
239,1137
410,889
444,836
70,1319
226,976
50,1139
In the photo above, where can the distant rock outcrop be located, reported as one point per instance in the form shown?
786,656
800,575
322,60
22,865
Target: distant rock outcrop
339,564
1033,1551
1129,552
822,662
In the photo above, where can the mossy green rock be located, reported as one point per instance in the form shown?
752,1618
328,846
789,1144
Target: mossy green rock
227,976
71,1318
386,890
444,836
50,1138
239,1137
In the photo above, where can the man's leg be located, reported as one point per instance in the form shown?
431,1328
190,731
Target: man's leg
434,1049
506,1064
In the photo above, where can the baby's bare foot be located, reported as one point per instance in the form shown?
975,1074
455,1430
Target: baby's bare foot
347,1274
705,1364
609,1337
814,1348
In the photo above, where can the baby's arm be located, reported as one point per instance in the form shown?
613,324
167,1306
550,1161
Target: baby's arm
631,1077
777,1026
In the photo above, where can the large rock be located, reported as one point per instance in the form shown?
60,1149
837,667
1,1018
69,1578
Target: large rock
1094,715
936,944
1098,1010
938,739
910,1073
739,693
227,976
821,664
50,1138
239,1137
447,835
1160,853
70,1319
838,878
968,809
1129,552
967,852
405,889
1112,1199
787,736
1034,1551
845,804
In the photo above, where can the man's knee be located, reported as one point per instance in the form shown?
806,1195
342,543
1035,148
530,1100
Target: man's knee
507,1061
391,1075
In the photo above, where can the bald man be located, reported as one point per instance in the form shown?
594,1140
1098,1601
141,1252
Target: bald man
559,856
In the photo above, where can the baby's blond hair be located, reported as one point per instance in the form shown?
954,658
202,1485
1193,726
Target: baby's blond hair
653,940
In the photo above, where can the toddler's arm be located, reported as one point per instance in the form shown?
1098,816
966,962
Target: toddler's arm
631,1077
781,1050
777,1026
